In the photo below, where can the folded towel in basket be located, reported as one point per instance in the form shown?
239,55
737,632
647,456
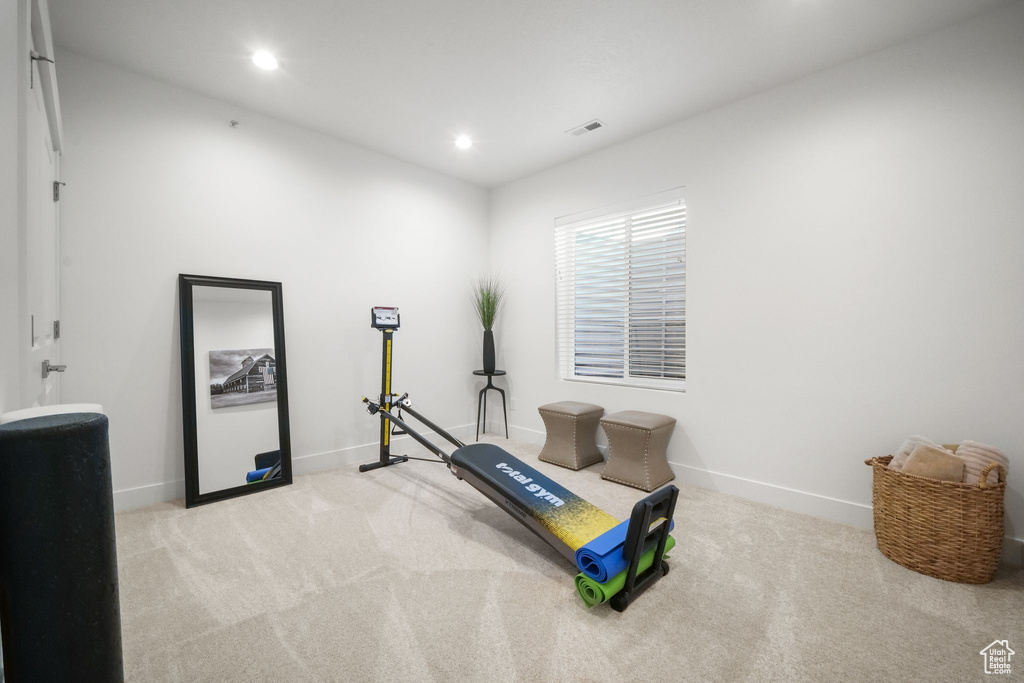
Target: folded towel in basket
899,458
978,456
934,463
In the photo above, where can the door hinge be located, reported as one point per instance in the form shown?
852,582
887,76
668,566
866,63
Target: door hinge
56,329
56,189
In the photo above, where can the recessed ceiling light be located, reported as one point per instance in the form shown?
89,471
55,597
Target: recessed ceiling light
265,60
463,142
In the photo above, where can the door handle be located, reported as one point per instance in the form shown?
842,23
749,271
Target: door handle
47,368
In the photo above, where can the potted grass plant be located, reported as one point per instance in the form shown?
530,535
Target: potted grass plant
488,294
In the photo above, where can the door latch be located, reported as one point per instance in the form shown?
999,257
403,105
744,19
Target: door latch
47,368
36,57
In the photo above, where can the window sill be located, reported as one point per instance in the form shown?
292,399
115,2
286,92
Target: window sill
673,388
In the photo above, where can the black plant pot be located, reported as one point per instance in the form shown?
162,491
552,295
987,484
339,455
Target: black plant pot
488,351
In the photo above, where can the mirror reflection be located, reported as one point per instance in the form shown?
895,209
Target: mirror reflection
236,411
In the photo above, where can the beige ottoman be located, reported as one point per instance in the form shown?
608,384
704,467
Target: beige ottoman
571,434
636,449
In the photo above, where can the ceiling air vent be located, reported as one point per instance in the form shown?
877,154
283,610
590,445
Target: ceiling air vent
586,127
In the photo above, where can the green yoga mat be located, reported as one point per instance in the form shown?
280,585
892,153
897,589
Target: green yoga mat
594,593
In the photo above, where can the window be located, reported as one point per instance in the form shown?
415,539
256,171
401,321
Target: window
621,290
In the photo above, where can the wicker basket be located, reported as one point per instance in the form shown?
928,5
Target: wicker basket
945,529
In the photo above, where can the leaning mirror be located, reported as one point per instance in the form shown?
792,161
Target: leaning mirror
234,384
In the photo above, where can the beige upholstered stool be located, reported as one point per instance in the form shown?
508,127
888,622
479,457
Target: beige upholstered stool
636,449
571,434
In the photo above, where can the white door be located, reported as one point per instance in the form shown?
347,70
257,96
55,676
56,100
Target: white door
40,253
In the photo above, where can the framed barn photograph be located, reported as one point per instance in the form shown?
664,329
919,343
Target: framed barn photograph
242,376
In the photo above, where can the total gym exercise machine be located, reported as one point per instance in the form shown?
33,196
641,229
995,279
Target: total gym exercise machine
606,551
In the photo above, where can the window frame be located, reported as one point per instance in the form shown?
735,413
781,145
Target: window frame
668,198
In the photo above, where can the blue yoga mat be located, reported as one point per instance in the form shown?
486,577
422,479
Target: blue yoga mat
256,475
602,558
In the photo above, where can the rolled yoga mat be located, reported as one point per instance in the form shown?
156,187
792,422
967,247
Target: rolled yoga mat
602,557
59,607
594,593
257,475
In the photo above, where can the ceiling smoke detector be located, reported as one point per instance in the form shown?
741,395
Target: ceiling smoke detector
586,127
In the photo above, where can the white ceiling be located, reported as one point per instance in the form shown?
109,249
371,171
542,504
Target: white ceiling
405,77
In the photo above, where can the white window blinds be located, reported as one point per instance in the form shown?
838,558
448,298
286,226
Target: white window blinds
621,290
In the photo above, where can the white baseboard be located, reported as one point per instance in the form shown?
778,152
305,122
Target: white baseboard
537,438
834,509
1013,552
142,496
526,435
315,462
813,504
816,505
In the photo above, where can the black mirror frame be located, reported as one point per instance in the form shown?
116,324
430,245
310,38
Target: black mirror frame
188,388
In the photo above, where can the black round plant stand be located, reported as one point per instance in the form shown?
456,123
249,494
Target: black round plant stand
481,404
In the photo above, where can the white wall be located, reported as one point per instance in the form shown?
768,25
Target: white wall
855,242
159,184
228,437
9,269
855,274
13,39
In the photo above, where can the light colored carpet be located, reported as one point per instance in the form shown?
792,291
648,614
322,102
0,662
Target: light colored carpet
409,574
